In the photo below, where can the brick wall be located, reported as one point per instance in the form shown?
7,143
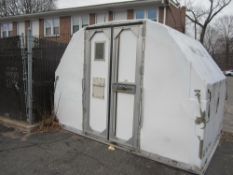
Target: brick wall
65,29
175,18
41,28
14,32
161,14
92,18
130,14
110,16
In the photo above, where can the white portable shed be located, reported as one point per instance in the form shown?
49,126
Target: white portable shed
144,87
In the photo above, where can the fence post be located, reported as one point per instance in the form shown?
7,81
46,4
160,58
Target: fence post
29,62
24,61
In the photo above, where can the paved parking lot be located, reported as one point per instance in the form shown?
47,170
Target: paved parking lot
64,153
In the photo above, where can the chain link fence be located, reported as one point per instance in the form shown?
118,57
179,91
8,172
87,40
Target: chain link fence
46,55
12,92
27,74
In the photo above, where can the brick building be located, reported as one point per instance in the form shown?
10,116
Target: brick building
62,23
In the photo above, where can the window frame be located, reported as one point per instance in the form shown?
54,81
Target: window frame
88,20
141,10
156,12
8,32
52,26
72,23
55,26
146,11
100,42
80,22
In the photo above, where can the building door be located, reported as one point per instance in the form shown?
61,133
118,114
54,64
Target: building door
113,81
126,85
96,106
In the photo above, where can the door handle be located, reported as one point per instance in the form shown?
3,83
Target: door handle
124,88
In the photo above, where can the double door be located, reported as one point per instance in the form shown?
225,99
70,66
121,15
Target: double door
113,79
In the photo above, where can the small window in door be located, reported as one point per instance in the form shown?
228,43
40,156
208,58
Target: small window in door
99,51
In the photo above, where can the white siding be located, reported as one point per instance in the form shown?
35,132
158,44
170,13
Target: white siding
35,28
21,28
78,22
120,15
101,18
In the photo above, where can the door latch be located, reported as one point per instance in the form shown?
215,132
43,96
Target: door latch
124,88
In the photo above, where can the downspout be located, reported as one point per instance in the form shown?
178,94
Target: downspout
164,11
164,14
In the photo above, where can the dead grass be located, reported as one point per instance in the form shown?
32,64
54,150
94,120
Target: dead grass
227,137
49,124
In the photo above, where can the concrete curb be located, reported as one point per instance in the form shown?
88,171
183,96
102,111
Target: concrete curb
20,125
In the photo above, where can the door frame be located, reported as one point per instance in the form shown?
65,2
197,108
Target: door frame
137,30
89,35
108,136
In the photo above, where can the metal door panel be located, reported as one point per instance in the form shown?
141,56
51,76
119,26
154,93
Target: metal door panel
125,116
114,115
126,85
96,95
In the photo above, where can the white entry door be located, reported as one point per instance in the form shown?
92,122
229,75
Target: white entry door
113,67
97,83
126,85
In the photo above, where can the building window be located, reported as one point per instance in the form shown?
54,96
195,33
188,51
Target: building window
140,14
56,26
85,21
48,27
52,27
79,22
6,30
152,14
4,34
147,14
75,23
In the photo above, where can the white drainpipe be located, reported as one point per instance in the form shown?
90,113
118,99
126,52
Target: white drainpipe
164,14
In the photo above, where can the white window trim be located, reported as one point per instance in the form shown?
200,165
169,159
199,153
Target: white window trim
7,31
52,29
18,26
146,9
80,21
88,19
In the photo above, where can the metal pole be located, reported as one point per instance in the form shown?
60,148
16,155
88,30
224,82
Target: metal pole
29,62
24,61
